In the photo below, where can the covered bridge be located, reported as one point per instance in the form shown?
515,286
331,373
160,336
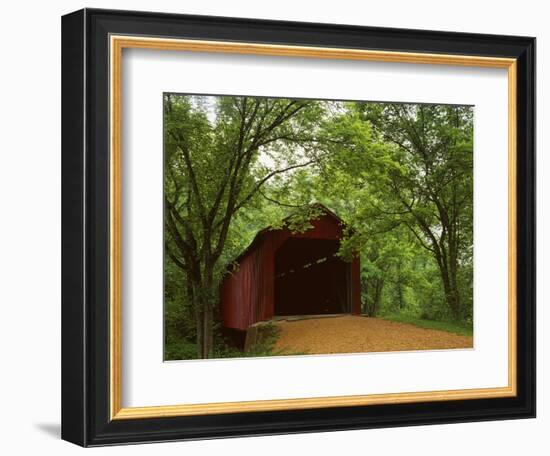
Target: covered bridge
285,273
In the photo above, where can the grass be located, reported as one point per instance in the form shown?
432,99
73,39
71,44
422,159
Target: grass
267,338
462,329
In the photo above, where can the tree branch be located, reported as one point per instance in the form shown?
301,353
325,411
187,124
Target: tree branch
174,258
279,202
417,236
266,178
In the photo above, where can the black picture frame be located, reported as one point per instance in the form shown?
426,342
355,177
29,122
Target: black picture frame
85,224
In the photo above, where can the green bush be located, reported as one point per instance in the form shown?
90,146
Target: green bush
177,349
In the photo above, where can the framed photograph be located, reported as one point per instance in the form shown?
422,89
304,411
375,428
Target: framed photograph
278,227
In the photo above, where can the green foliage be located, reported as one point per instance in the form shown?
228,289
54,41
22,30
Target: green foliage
177,347
399,176
179,320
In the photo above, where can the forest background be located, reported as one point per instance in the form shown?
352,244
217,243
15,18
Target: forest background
399,175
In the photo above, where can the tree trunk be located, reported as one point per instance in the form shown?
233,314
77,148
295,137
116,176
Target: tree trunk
455,297
365,303
400,299
450,287
199,320
372,304
205,332
453,273
208,336
378,296
204,305
191,297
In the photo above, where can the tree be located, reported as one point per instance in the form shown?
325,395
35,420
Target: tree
431,192
220,152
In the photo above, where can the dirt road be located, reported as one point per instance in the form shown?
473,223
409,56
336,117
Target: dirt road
354,334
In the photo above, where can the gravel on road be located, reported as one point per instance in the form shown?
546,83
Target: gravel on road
357,334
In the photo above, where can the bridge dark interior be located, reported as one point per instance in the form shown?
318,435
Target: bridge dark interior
310,279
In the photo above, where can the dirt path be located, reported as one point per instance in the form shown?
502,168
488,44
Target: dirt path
353,334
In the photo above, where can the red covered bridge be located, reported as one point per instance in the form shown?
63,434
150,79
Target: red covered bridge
285,273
